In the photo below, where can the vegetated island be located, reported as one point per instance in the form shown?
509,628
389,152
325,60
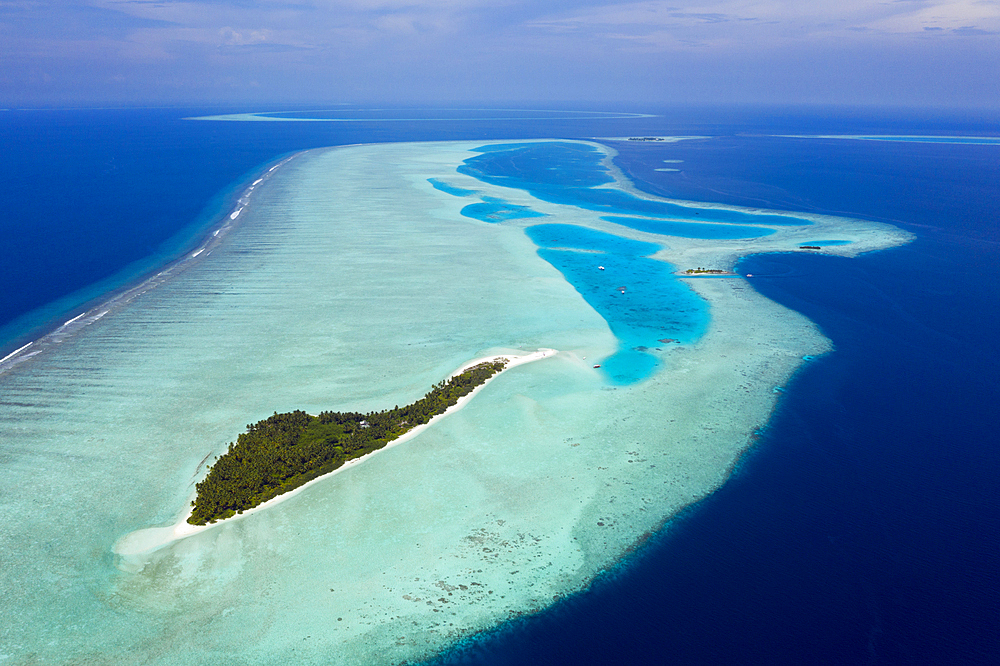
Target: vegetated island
707,271
285,451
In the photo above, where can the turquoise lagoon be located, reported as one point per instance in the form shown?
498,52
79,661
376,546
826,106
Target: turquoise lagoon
826,243
690,229
497,210
574,173
354,283
439,184
644,304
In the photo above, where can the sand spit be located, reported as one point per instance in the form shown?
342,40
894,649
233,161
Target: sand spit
150,539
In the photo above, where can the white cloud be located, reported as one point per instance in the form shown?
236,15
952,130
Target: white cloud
300,24
751,24
944,15
665,23
231,37
541,46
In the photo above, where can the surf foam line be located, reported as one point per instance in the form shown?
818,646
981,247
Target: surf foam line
21,349
128,294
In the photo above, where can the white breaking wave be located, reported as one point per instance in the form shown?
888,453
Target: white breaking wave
15,352
61,334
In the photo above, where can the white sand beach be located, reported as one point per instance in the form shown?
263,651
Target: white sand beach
152,538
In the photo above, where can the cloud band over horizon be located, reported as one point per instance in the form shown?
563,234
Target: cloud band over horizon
903,52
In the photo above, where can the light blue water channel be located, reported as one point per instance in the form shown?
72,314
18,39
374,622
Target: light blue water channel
569,173
439,184
827,243
643,302
689,229
645,305
497,210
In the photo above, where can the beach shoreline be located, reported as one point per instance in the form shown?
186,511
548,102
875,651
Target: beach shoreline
151,539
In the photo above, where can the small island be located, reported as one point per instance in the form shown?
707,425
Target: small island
707,271
285,451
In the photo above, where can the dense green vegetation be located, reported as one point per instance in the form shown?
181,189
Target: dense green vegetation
284,451
714,271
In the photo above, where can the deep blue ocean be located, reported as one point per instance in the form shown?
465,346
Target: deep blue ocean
863,527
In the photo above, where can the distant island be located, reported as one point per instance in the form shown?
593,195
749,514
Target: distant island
285,451
707,271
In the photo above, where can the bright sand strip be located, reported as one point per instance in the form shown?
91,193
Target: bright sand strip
354,280
153,538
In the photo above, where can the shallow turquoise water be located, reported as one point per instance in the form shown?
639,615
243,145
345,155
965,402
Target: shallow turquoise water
439,184
827,243
569,173
332,295
645,305
497,210
689,229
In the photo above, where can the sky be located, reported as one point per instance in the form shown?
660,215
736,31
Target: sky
921,53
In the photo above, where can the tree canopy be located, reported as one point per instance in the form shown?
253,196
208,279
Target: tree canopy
285,451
